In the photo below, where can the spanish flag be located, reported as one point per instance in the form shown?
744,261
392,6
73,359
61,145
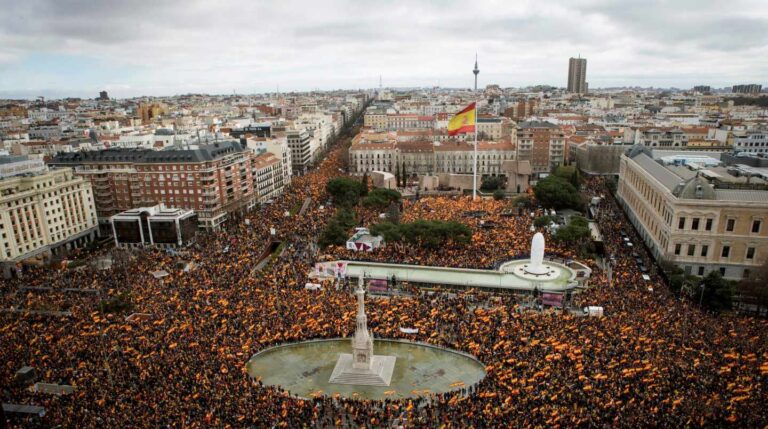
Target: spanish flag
463,122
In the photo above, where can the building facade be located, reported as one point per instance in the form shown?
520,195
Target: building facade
699,224
577,75
752,88
213,180
44,212
378,121
542,143
752,141
302,150
154,226
428,158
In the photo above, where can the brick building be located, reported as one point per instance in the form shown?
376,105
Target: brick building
214,180
542,143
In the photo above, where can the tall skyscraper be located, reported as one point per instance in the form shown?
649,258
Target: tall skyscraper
476,71
577,75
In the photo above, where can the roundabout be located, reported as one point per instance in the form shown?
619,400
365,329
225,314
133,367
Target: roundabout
304,369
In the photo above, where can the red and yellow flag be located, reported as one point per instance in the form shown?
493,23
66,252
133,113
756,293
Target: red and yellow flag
463,122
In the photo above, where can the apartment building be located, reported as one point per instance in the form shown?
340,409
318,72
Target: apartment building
542,143
751,141
659,137
303,149
214,180
42,211
699,218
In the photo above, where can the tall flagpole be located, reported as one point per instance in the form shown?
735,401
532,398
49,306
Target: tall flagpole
474,168
475,71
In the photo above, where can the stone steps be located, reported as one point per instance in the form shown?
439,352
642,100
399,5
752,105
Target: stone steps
360,379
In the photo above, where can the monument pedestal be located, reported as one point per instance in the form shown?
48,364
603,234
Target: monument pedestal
379,374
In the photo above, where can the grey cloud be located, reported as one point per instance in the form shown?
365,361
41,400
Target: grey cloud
330,42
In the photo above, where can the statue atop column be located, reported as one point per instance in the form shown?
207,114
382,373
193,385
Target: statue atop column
362,367
362,344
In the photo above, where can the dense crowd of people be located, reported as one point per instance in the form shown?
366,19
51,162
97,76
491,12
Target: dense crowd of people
653,360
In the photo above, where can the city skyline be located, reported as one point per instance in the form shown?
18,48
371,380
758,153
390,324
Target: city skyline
74,48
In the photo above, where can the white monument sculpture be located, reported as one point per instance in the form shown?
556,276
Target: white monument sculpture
536,266
362,367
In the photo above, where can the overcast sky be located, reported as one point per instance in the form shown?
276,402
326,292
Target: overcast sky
159,47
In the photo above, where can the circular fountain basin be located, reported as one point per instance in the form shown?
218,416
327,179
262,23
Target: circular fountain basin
303,369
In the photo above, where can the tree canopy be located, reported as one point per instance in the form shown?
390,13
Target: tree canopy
380,198
492,183
345,191
717,293
575,232
424,233
557,193
336,231
569,173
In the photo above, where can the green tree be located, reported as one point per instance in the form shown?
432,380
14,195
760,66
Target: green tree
397,175
499,194
717,293
393,213
405,176
523,201
380,198
576,232
336,231
364,182
753,290
428,234
390,231
345,191
492,183
569,173
332,234
557,193
542,221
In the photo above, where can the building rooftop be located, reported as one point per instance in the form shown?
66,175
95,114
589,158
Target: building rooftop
694,179
201,153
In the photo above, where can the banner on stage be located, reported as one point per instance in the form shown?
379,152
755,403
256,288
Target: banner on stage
553,299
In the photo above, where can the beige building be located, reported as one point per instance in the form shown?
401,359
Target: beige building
397,121
383,152
43,212
701,220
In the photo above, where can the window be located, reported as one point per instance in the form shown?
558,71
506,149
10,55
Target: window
730,225
701,271
708,225
695,224
726,251
704,250
756,226
746,273
677,249
750,253
691,249
722,271
681,223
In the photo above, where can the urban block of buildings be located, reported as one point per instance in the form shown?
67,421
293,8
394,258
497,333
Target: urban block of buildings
43,212
215,180
695,212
